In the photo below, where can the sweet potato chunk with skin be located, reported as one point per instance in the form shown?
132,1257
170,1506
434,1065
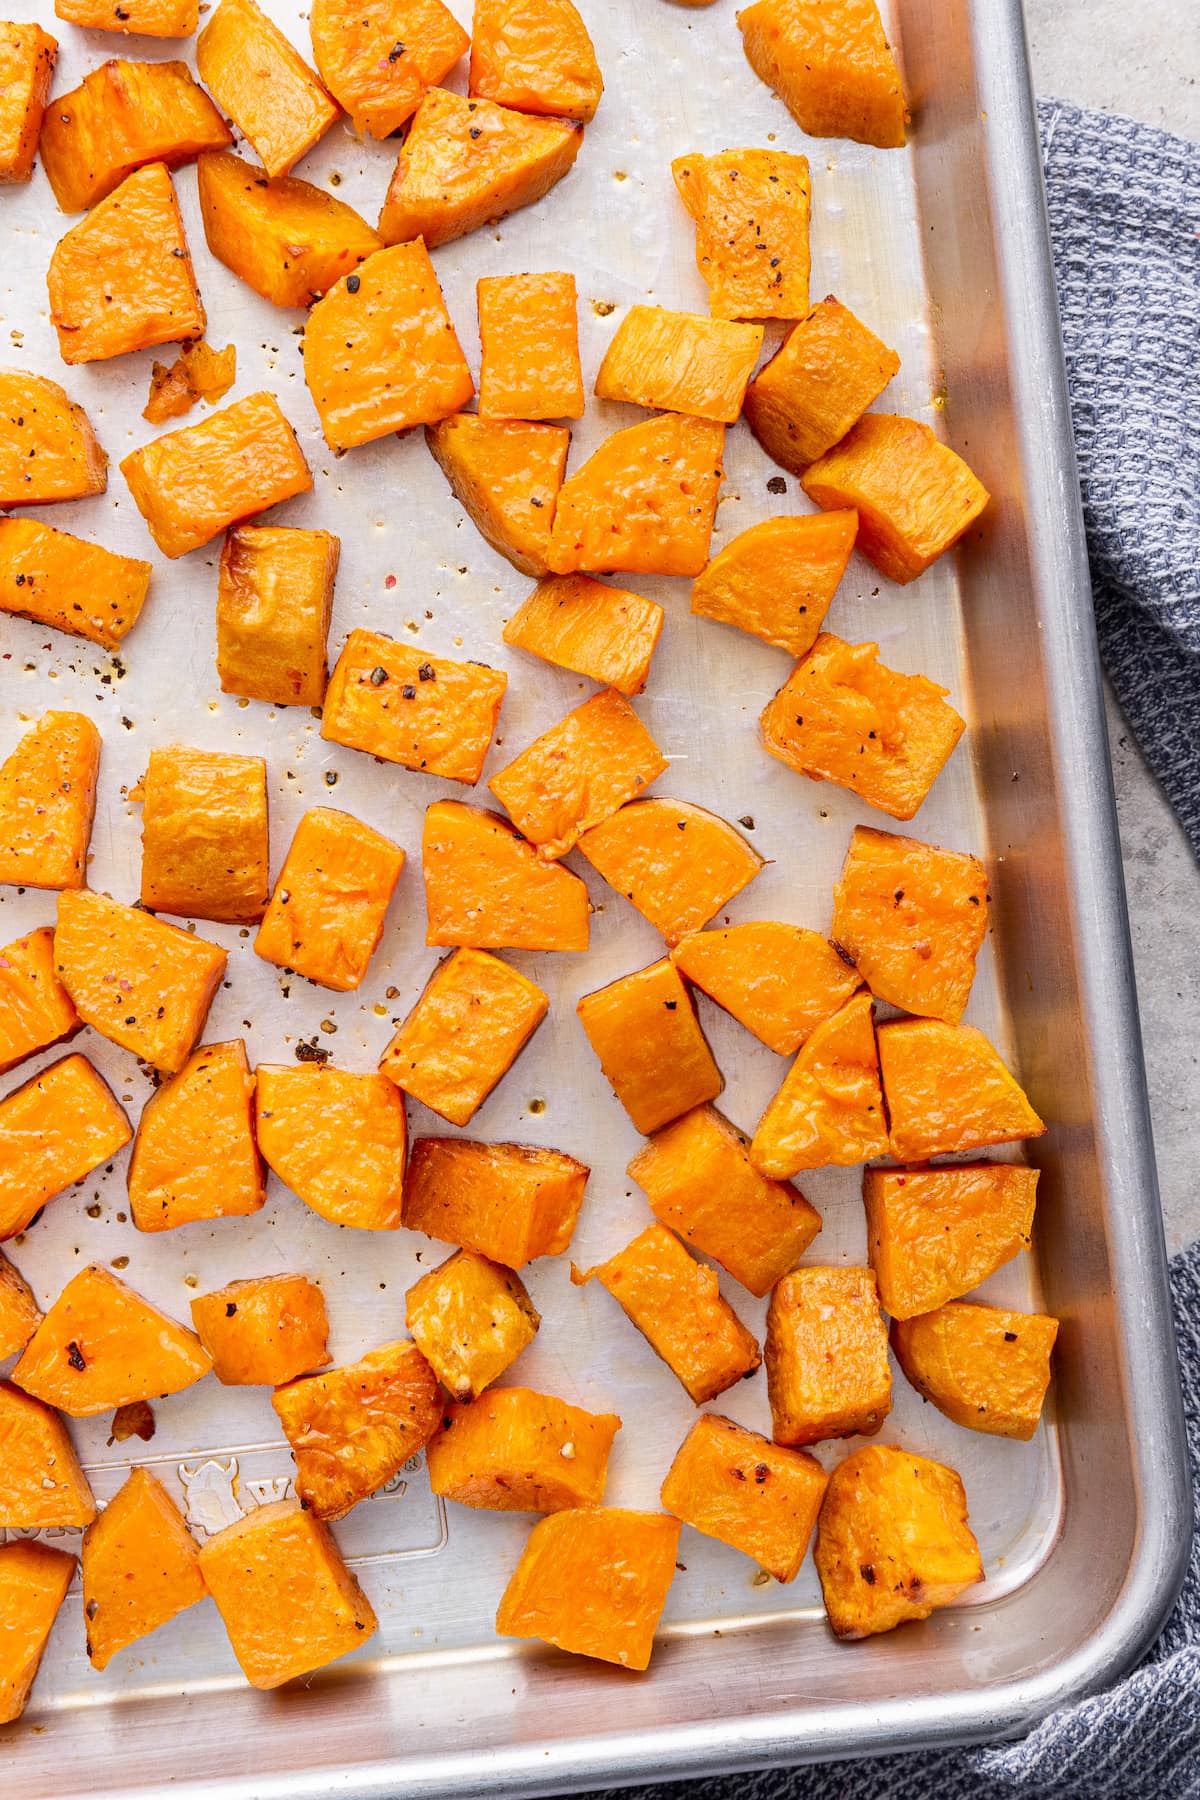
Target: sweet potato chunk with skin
122,116
831,65
424,712
745,1491
517,1451
893,1541
141,984
933,1234
778,579
34,1579
819,383
985,1368
263,1331
675,862
915,497
536,56
336,1139
27,55
471,1319
101,1346
644,1029
327,912
286,239
353,1428
35,1008
487,888
57,1128
467,163
48,450
507,476
645,501
529,347
593,1581
20,1314
47,801
682,362
141,1567
55,579
268,90
194,1156
474,1017
42,1485
377,57
274,602
751,209
147,18
508,1202
827,1356
700,1182
779,981
579,624
288,1601
829,1109
843,716
948,1090
205,853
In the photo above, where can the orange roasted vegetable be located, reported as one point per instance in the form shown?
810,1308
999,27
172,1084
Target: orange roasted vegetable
47,801
351,1429
35,1009
27,55
582,625
48,450
779,981
120,117
194,1156
593,1582
831,65
41,1483
263,84
751,209
675,862
474,1017
471,1319
141,984
829,1109
205,853
57,1128
893,1541
486,887
377,57
529,347
140,1565
326,915
819,383
827,1356
985,1368
198,373
518,1451
263,1331
933,1234
914,496
34,1579
274,602
843,716
508,1202
682,362
336,1139
507,475
59,580
947,1090
745,1491
645,501
700,1182
391,700
286,239
146,18
778,579
20,1314
536,56
644,1029
101,1346
288,1601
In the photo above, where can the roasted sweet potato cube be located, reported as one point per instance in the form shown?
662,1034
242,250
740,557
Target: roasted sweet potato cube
829,1109
474,1017
819,383
326,915
194,1156
508,1202
467,163
351,1429
191,484
517,1451
263,84
933,1234
893,1541
48,450
644,1029
147,18
122,116
777,580
740,1488
35,1008
274,602
47,801
486,887
41,1483
263,1331
529,347
536,56
948,1090
985,1368
645,501
205,853
915,497
377,57
507,477
336,1139
827,1356
142,984
20,1314
779,981
675,862
699,1180
198,373
471,1319
59,580
57,1128
842,716
593,1581
101,1346
286,239
140,1566
27,55
288,1601
831,65
34,1579
391,700
751,209
585,626
682,362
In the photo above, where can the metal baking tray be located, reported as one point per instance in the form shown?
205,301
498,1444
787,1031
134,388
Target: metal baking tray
943,249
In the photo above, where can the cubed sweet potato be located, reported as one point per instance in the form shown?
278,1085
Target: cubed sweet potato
915,497
779,981
778,579
827,1356
47,802
392,701
146,18
507,476
101,1346
948,1090
198,373
985,1368
529,347
474,1017
35,1008
843,716
20,1314
263,1331
508,1202
593,1581
327,911
62,581
675,862
829,1109
831,65
644,502
336,1139
353,1428
48,450
487,888
57,1128
140,1566
740,1488
893,1542
287,1600
42,1485
122,116
933,1234
681,362
274,602
471,1319
536,56
517,1451
580,624
27,56
286,239
819,383
466,163
194,1156
205,851
378,57
34,1579
644,1029
751,209
141,984
263,84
